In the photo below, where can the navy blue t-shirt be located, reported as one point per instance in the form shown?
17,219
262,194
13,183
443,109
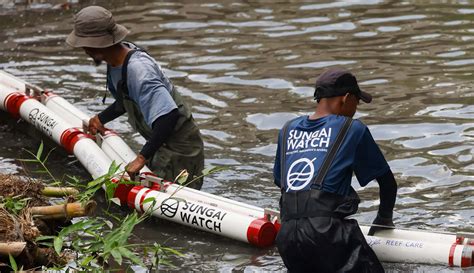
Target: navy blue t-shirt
307,144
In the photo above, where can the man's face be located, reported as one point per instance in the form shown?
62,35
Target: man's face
95,54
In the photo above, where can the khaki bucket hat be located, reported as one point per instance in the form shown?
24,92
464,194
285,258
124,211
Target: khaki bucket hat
95,27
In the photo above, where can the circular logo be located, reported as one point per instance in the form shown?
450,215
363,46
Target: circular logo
169,207
300,174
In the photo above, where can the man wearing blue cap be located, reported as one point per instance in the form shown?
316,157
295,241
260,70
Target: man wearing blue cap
315,160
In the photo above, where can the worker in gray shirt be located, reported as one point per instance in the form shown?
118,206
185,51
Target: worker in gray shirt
141,89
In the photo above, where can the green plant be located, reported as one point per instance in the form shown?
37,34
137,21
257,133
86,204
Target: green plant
13,204
97,242
42,162
104,181
13,264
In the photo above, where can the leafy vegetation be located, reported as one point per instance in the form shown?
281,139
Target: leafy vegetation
13,204
98,243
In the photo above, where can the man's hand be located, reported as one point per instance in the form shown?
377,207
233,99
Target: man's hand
381,223
95,125
135,166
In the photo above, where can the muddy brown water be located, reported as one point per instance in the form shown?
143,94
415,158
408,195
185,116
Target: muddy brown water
247,67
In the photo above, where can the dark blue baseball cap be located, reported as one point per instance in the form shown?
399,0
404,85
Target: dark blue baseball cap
336,82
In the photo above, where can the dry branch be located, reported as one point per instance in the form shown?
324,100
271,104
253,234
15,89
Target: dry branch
59,191
12,248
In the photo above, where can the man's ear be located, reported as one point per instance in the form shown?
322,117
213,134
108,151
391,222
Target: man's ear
345,98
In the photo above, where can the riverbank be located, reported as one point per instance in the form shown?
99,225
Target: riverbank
27,215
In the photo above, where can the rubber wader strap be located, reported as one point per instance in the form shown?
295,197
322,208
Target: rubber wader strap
284,131
106,85
125,63
124,69
318,180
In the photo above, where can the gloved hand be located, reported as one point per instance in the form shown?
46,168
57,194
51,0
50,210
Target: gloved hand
95,125
386,222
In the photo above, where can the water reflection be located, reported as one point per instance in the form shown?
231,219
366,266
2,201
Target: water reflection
248,67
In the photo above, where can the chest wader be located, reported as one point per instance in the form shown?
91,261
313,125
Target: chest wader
314,236
184,149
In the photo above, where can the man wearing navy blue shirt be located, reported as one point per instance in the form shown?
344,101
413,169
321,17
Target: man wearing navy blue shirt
315,160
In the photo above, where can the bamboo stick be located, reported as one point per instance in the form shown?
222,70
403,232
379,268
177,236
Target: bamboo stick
59,191
12,248
64,211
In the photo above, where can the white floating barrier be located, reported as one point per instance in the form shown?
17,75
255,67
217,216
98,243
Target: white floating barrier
234,225
11,83
64,109
420,251
432,237
49,123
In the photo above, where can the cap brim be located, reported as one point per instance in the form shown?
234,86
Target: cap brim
365,97
97,42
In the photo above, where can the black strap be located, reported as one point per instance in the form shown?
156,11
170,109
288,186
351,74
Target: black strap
127,59
318,180
283,153
106,85
124,70
123,81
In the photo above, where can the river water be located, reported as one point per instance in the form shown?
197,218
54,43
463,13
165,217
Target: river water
248,66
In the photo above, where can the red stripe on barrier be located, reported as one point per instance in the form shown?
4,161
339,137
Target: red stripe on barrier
109,132
277,225
261,233
122,192
142,198
155,186
49,94
467,256
166,184
70,137
451,254
13,103
132,195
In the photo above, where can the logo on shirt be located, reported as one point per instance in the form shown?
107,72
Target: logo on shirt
300,174
304,141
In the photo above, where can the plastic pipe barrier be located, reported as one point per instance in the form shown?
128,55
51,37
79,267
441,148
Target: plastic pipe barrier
118,150
431,237
259,232
420,251
53,126
64,109
11,82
